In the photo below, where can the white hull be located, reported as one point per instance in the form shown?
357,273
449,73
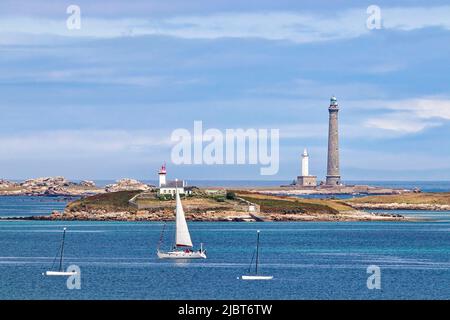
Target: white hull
181,255
60,273
257,277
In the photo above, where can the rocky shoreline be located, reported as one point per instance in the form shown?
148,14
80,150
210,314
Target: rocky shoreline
60,186
224,216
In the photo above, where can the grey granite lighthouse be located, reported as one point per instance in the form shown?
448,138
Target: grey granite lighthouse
333,175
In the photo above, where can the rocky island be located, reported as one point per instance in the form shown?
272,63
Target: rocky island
211,205
132,200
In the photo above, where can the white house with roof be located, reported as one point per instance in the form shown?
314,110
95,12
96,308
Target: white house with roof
167,187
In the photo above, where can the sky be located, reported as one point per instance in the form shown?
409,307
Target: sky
102,101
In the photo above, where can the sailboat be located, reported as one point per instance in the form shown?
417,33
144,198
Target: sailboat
60,271
183,242
256,276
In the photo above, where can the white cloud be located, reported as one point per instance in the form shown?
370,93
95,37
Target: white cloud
79,143
300,27
412,115
398,123
425,108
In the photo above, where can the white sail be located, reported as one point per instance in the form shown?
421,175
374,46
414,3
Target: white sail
182,237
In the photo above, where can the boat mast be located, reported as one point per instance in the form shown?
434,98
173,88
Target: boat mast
176,196
257,251
62,250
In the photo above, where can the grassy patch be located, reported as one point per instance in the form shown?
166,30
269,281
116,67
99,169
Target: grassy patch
442,198
114,201
269,204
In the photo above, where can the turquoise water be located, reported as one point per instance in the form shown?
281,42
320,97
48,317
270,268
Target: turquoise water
314,260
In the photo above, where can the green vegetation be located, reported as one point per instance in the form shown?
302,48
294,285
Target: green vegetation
107,201
230,195
165,197
273,205
441,198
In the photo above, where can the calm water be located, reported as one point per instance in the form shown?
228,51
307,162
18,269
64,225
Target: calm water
307,260
22,206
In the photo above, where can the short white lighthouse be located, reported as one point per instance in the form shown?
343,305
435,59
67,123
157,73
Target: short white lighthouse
305,180
305,163
162,175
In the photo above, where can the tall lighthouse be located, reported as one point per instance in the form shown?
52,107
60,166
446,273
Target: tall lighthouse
333,175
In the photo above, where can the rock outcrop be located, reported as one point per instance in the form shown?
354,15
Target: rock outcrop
127,185
87,183
5,184
49,186
46,182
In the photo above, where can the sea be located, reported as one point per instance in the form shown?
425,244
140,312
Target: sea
308,260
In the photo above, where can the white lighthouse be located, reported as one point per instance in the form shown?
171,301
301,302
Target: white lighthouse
162,175
305,163
305,180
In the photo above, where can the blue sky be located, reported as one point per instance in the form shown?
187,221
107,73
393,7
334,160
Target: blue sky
102,101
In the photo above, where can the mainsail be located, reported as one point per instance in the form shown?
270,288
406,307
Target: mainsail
182,237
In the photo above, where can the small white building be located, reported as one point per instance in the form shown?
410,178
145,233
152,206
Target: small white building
305,180
170,187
